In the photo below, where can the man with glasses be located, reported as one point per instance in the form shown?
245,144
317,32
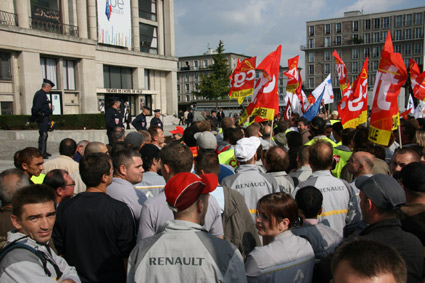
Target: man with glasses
61,182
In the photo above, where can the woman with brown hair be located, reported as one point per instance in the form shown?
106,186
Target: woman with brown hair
284,256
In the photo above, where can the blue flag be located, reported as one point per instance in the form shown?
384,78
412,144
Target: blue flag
314,109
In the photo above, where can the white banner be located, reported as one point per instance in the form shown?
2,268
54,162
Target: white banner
114,22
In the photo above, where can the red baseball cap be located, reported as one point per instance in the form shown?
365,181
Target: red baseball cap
182,190
178,130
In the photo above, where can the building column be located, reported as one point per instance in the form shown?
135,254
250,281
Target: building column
135,25
87,79
92,20
169,45
171,93
82,18
23,9
160,15
17,105
65,12
30,79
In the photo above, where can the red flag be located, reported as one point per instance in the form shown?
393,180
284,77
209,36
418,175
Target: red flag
242,79
355,101
288,111
265,100
418,81
294,78
390,77
405,114
344,84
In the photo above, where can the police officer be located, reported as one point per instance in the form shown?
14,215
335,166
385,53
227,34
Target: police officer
41,109
140,121
113,118
155,120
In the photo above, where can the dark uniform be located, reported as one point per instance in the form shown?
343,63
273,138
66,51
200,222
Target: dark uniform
140,122
41,109
113,120
156,121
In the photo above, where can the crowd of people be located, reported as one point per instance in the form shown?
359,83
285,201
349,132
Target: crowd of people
304,201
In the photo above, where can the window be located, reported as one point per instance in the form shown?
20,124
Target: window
195,87
418,18
205,64
418,60
311,69
195,65
49,70
147,79
376,36
375,52
408,33
371,80
186,77
311,30
327,28
148,38
398,35
187,98
311,57
338,27
384,35
338,40
417,48
408,21
367,38
355,53
355,25
327,41
386,22
187,89
375,64
6,108
418,33
178,90
68,74
179,97
147,9
327,55
196,75
355,67
367,24
398,21
376,23
327,68
311,82
117,77
407,49
5,66
311,43
280,82
397,48
406,62
366,52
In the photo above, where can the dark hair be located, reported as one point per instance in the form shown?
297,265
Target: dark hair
207,162
188,135
31,195
409,130
347,135
309,200
118,146
149,152
320,155
337,128
9,185
123,157
409,150
67,147
294,139
227,122
154,131
277,206
370,259
303,154
25,156
253,130
117,134
277,159
177,156
55,179
235,135
92,168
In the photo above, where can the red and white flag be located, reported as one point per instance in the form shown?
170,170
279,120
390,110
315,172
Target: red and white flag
417,80
294,77
344,84
288,110
242,79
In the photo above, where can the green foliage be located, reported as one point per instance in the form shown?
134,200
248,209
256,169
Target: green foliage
217,83
63,122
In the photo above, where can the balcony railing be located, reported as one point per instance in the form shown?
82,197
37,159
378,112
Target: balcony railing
54,27
9,19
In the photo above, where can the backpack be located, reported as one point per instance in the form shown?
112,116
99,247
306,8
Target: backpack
42,256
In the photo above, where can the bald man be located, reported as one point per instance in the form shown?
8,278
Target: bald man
360,163
276,162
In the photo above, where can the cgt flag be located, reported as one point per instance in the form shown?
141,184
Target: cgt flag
344,84
418,81
242,79
265,100
288,110
294,78
390,77
355,101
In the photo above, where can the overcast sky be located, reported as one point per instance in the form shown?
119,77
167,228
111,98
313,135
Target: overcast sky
257,27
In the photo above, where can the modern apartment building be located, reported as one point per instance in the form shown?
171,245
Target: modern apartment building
356,36
92,50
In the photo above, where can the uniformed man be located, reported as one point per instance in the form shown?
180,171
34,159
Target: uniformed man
113,118
41,109
140,121
155,120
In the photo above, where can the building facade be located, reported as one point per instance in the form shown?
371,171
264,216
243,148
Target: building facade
356,36
92,51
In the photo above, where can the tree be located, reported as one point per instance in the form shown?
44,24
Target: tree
217,83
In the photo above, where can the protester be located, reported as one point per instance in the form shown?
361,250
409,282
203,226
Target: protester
30,160
79,153
157,136
276,162
304,169
61,182
67,148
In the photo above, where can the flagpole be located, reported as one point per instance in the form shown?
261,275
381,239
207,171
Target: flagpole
399,137
271,134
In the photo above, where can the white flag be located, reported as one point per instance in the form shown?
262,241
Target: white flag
326,87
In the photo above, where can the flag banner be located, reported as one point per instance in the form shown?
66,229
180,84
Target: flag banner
306,102
326,88
314,109
417,80
265,100
295,103
294,77
355,101
410,105
420,110
390,77
288,111
344,84
405,114
242,79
